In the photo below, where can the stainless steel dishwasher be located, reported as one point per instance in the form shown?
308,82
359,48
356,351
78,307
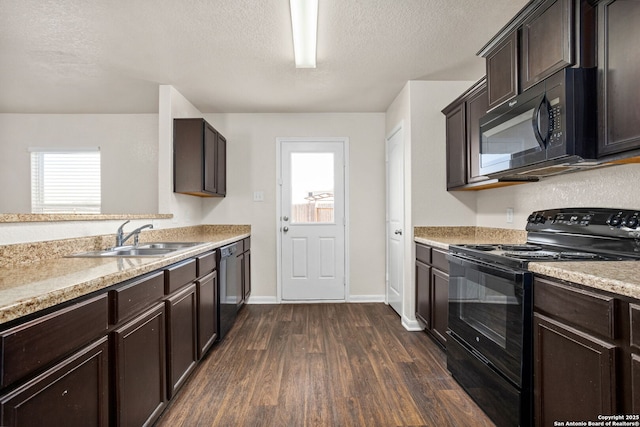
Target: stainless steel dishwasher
229,295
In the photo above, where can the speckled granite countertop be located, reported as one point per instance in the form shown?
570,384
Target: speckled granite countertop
442,237
620,277
34,277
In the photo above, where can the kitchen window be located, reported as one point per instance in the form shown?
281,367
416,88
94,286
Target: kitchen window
65,180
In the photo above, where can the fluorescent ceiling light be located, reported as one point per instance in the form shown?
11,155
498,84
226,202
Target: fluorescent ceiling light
304,23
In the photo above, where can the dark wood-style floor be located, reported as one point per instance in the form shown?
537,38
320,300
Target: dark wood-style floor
322,365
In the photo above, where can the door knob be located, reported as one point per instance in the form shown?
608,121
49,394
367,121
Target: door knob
397,232
285,229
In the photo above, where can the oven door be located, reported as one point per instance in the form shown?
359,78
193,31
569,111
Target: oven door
489,310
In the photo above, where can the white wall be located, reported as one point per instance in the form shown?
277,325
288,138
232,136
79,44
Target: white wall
418,109
186,210
128,150
251,166
613,187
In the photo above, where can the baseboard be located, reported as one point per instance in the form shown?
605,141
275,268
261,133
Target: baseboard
411,325
261,300
366,298
352,298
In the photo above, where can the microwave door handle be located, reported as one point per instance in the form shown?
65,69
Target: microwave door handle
540,122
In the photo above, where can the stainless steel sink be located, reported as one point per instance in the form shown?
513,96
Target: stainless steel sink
168,245
126,252
156,249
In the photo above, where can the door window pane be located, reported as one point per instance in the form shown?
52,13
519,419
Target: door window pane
312,188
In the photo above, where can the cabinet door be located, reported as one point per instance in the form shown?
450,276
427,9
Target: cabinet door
210,159
181,337
246,276
547,42
140,368
75,392
502,71
440,301
423,293
221,168
240,277
456,146
207,293
477,106
574,374
619,76
635,384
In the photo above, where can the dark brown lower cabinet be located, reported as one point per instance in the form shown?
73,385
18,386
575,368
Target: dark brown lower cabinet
423,293
432,291
140,368
181,337
575,373
207,295
74,392
440,298
635,383
246,274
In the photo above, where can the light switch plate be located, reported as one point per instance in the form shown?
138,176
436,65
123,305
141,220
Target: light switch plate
509,215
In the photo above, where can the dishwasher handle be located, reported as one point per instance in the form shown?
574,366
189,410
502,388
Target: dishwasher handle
227,251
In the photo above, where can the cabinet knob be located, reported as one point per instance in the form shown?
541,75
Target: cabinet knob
285,218
285,229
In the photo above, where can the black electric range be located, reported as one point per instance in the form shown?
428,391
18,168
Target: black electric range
489,349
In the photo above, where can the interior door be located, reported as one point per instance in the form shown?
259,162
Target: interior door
395,220
312,222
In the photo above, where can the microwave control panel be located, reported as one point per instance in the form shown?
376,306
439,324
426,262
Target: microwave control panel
555,124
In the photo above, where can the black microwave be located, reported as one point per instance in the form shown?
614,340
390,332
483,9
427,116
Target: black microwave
551,123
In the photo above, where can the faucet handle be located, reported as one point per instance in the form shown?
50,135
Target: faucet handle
120,229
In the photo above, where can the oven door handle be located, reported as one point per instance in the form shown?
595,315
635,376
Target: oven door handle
494,270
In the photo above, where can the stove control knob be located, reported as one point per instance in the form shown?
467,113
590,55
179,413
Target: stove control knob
615,220
632,222
540,219
531,219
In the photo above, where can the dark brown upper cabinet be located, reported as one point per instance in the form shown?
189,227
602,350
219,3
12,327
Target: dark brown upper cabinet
542,39
463,137
546,44
456,145
199,159
477,106
502,70
618,76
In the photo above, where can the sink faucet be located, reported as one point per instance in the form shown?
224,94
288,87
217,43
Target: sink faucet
136,233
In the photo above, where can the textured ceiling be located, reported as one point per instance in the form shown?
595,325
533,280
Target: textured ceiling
97,56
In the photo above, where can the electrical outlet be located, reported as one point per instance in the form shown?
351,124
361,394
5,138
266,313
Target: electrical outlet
510,215
258,196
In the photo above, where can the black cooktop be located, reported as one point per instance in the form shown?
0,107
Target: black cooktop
568,234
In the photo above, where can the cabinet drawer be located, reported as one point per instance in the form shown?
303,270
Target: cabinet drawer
136,296
35,344
439,260
587,310
423,254
205,263
634,318
179,275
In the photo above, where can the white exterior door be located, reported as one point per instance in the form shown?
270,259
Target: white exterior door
395,220
312,220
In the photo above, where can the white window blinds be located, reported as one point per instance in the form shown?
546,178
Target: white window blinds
65,181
